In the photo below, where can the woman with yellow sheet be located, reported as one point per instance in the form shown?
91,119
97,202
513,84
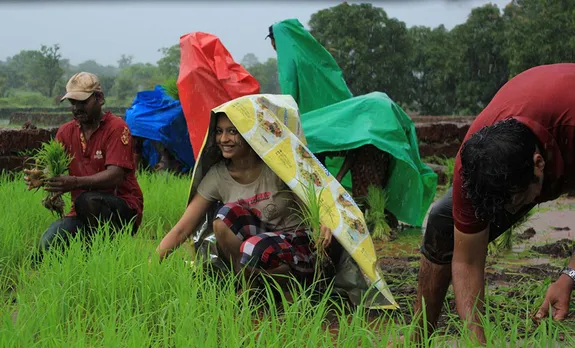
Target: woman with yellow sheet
257,228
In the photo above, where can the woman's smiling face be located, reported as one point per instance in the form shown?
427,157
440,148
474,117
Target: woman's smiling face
229,139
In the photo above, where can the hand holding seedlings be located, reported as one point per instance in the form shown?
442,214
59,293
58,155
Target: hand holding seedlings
33,178
50,163
325,236
61,183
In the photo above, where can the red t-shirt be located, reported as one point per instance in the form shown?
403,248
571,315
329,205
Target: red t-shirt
110,144
543,99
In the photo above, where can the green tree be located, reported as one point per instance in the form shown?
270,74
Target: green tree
125,61
267,75
49,68
124,87
434,71
480,61
539,32
97,69
3,82
22,70
169,64
136,78
249,60
107,83
371,48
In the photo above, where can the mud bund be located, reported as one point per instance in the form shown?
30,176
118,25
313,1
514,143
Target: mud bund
437,136
15,143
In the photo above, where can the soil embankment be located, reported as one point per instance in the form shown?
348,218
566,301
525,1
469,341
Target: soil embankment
437,135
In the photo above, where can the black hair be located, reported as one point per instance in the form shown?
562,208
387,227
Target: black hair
496,163
271,32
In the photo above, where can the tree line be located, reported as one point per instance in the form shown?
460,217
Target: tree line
432,71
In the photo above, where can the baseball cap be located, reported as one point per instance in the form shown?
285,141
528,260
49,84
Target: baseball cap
81,86
271,33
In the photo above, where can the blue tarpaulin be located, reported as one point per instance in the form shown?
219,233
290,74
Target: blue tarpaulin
156,116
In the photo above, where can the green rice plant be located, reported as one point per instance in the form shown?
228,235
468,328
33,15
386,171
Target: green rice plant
449,164
50,160
110,295
505,242
171,87
310,214
375,214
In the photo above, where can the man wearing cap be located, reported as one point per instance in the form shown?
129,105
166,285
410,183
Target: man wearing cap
102,178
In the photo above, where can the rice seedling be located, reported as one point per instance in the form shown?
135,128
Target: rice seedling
505,242
50,161
449,164
110,295
171,87
375,213
310,211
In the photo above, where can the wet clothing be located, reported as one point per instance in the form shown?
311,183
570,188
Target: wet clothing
541,98
265,248
110,144
268,196
437,244
89,207
263,215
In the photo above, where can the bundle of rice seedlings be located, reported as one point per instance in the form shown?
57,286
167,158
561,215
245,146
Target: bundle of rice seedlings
171,87
310,214
505,241
50,161
375,214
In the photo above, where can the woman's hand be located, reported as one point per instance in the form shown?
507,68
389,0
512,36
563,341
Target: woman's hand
325,236
185,226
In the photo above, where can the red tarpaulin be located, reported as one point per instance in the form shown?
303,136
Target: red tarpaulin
209,77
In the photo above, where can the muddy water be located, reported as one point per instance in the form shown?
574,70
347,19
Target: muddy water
551,226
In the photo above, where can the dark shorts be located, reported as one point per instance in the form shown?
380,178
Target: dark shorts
262,248
437,244
91,207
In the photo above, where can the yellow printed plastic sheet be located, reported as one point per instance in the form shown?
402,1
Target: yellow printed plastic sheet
271,125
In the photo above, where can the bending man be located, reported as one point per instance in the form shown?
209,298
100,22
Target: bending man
520,151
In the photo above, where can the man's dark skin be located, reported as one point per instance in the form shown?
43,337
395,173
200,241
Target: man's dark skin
89,114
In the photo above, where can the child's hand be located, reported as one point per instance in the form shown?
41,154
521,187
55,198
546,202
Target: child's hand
325,236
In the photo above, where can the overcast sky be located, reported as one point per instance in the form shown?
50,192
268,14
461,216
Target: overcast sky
103,30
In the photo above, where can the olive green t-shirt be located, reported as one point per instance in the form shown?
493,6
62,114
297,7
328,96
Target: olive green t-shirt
267,196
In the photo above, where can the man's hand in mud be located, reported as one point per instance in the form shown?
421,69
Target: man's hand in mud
62,184
325,236
33,178
558,296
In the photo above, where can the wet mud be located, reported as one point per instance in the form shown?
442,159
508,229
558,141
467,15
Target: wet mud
562,248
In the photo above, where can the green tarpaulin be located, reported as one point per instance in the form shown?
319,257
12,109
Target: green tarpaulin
375,119
334,120
307,71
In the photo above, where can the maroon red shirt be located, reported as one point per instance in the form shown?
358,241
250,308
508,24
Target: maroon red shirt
543,99
110,144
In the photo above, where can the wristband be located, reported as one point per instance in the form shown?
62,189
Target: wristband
570,272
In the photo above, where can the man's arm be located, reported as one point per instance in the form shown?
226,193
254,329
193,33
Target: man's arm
558,296
110,178
468,268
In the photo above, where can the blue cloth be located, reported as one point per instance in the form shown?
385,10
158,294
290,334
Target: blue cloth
156,116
